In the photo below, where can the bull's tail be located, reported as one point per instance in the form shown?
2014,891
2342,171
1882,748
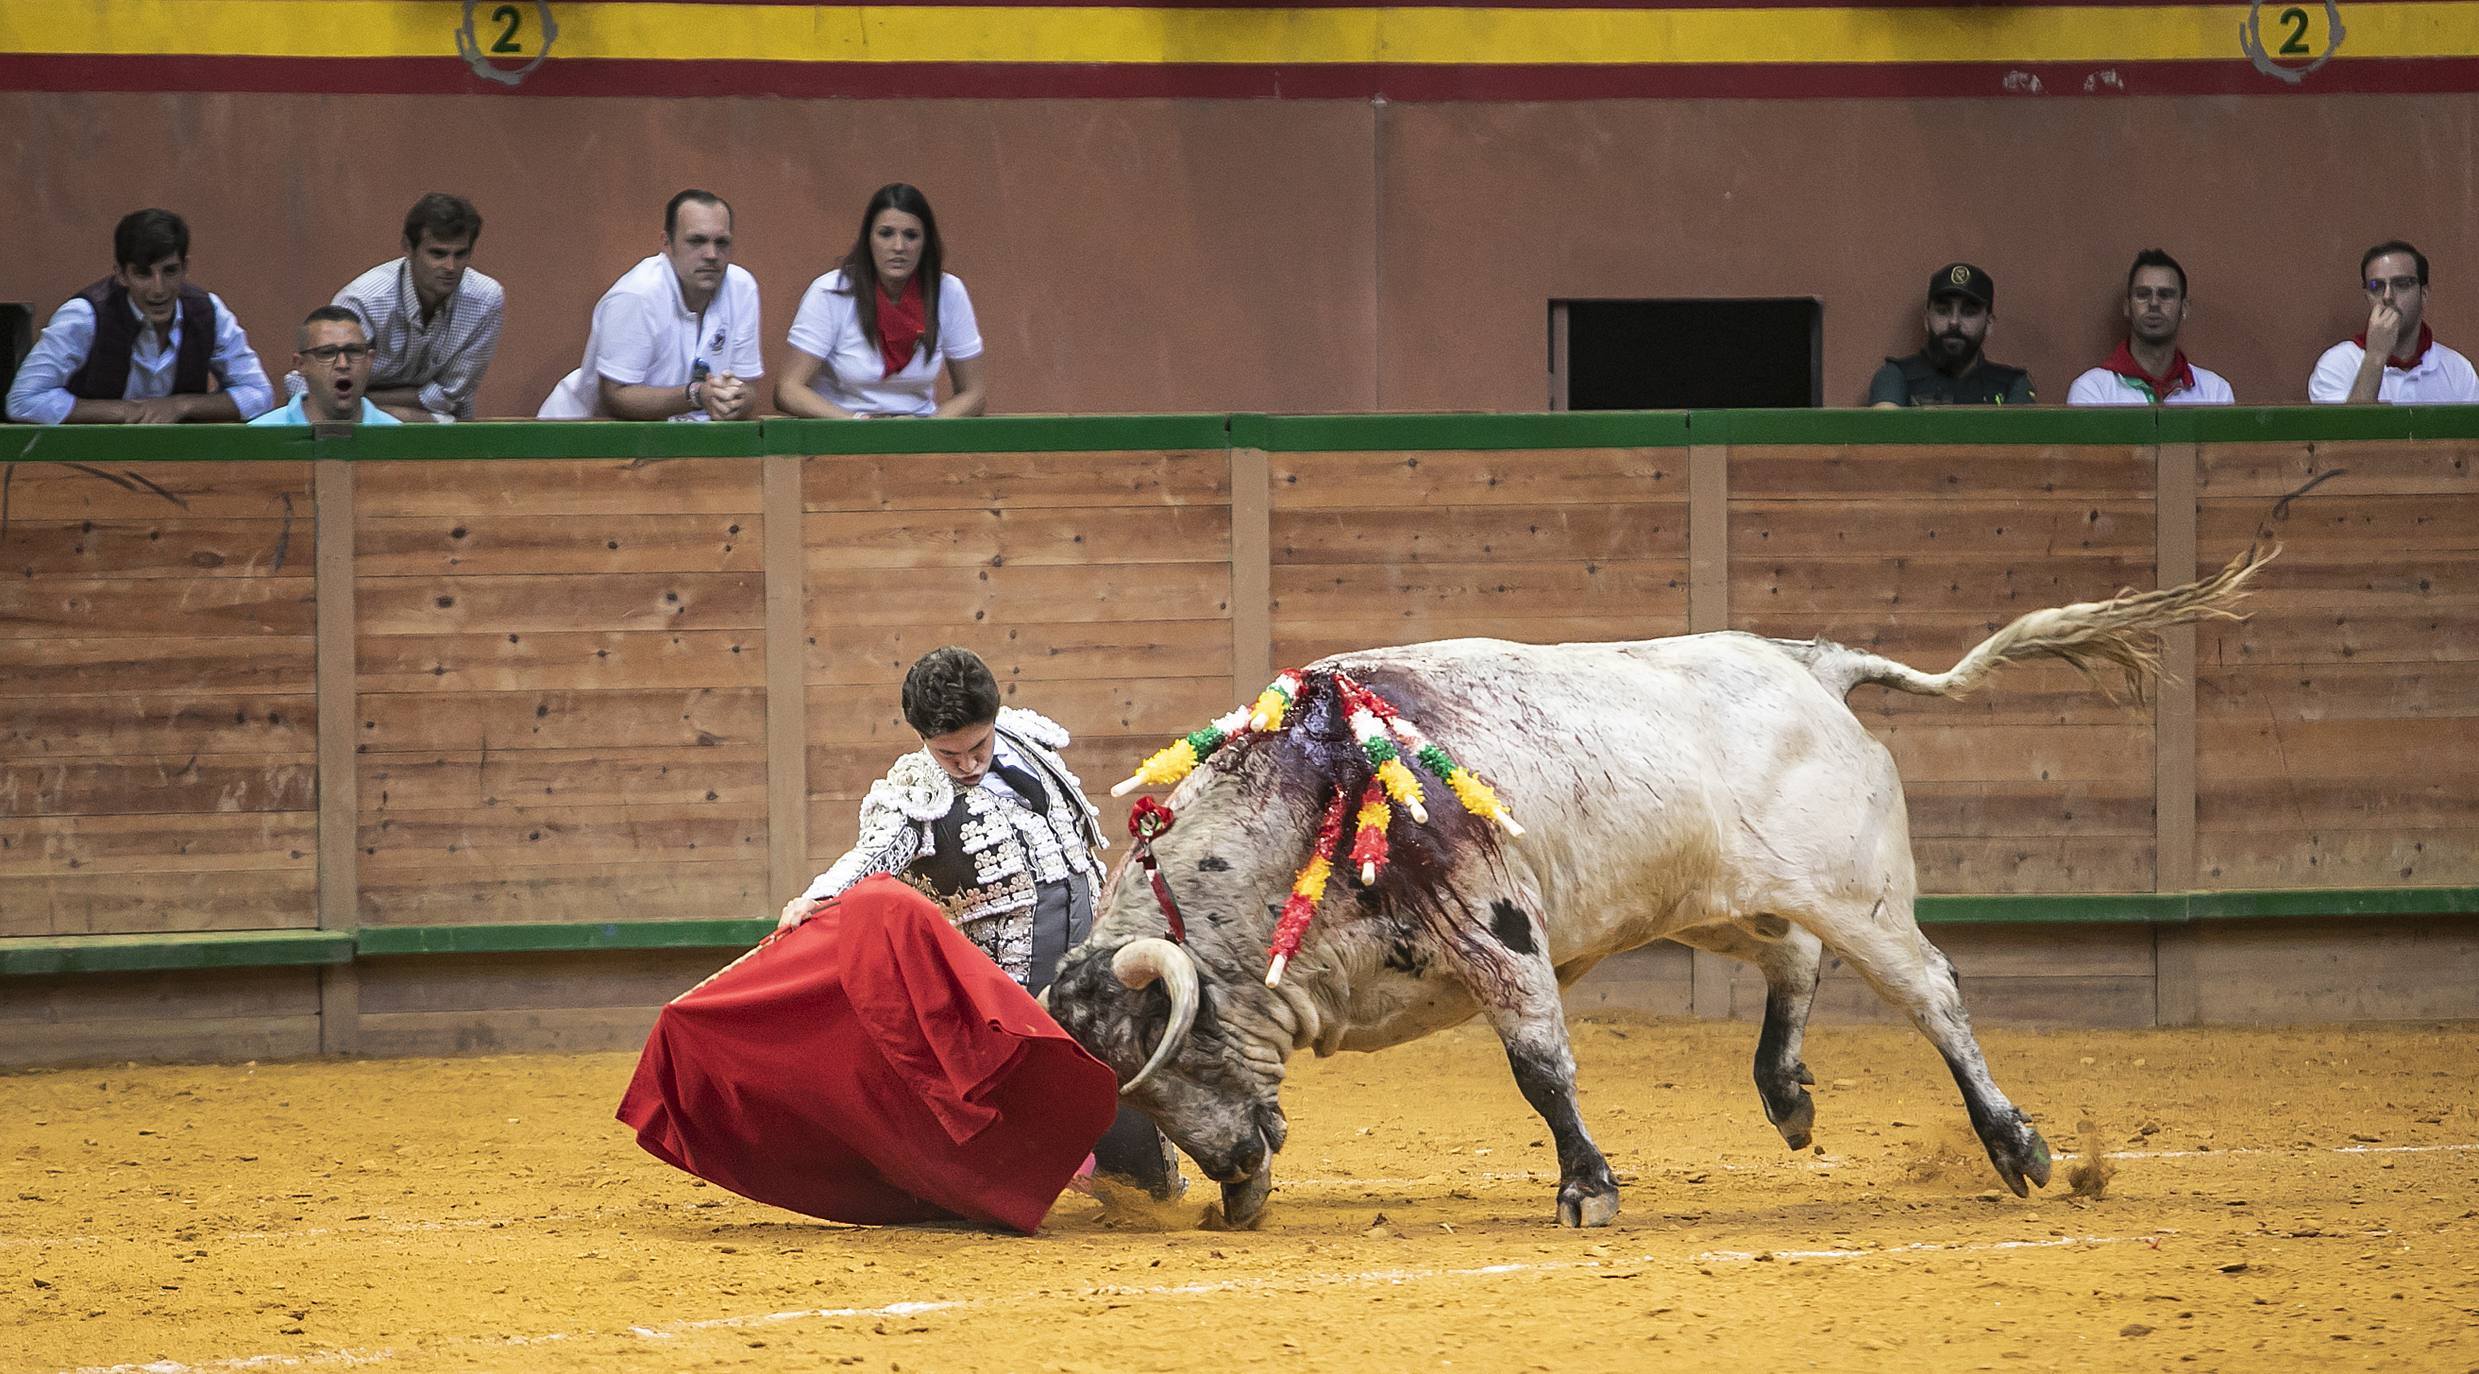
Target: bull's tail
2122,632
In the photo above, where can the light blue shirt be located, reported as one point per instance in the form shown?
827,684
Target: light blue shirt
297,413
40,394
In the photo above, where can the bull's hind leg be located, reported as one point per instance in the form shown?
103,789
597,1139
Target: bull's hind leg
1886,947
1499,953
1790,957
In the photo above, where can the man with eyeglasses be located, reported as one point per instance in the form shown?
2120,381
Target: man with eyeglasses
2397,361
332,354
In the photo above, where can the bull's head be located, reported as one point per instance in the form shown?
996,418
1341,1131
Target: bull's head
1151,1012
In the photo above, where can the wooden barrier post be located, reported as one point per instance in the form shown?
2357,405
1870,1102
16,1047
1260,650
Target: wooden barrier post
1708,609
339,790
2174,999
1252,573
787,692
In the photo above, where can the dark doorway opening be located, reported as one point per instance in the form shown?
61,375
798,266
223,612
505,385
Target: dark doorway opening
1686,354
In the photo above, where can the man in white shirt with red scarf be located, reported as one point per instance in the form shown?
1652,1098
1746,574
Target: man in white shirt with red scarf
2149,368
2397,361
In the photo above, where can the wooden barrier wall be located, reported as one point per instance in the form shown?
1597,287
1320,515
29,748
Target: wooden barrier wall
626,684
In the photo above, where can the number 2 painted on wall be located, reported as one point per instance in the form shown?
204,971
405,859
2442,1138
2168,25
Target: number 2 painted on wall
513,20
2293,46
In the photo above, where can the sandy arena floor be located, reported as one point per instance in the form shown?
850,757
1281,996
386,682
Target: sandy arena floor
2281,1200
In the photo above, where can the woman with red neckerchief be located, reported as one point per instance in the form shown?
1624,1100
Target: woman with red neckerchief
869,337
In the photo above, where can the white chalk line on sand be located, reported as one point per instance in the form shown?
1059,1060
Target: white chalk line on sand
1817,1164
1052,1296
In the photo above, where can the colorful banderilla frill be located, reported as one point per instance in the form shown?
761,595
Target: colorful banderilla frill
1308,888
1391,745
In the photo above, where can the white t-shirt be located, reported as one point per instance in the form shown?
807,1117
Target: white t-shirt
2101,387
2442,377
645,335
828,328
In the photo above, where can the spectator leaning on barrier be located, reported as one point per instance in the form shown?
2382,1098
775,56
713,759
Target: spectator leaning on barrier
2149,368
870,334
2397,359
676,337
1950,369
433,321
143,346
331,354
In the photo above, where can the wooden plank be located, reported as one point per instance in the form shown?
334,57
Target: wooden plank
2176,990
520,543
2018,863
728,775
481,838
1510,591
566,892
2316,804
141,903
2421,467
1859,526
339,794
1843,999
2352,691
169,844
1422,482
579,660
1801,585
615,601
252,725
1940,472
556,487
2090,808
1015,481
2431,580
653,717
878,656
1299,640
785,766
2332,519
149,491
2266,856
2322,971
1136,706
204,665
535,982
37,785
143,608
2236,748
190,1040
167,998
179,546
1473,534
1708,552
964,599
339,1009
1001,536
1970,753
569,1031
2173,719
2275,633
1252,571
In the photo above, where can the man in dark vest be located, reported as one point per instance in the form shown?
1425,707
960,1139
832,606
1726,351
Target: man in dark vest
986,818
1950,369
143,346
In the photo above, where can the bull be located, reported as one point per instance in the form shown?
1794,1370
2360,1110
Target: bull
1711,789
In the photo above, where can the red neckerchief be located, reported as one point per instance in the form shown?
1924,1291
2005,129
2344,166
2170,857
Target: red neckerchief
899,324
2180,376
2427,336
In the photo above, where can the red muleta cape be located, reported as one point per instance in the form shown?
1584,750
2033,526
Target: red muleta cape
871,1065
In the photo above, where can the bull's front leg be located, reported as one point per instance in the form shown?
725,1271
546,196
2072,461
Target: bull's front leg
1500,954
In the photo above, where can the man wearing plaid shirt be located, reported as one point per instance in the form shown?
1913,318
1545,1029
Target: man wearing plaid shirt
433,320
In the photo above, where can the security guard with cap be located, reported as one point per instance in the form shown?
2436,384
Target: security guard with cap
1950,369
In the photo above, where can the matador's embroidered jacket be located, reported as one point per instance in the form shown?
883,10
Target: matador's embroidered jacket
980,854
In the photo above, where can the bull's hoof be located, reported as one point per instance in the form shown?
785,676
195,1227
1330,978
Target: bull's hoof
2021,1156
1243,1202
1799,1070
1793,1114
1587,1204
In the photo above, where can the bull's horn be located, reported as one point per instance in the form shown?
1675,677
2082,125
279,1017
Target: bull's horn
1139,963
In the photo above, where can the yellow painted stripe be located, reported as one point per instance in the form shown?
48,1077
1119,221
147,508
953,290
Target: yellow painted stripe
1473,36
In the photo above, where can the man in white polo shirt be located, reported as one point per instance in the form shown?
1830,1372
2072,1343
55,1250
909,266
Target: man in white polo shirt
2149,368
676,337
2397,361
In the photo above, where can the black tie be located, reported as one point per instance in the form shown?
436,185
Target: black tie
1026,785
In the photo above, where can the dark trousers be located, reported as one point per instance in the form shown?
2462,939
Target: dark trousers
1131,1149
